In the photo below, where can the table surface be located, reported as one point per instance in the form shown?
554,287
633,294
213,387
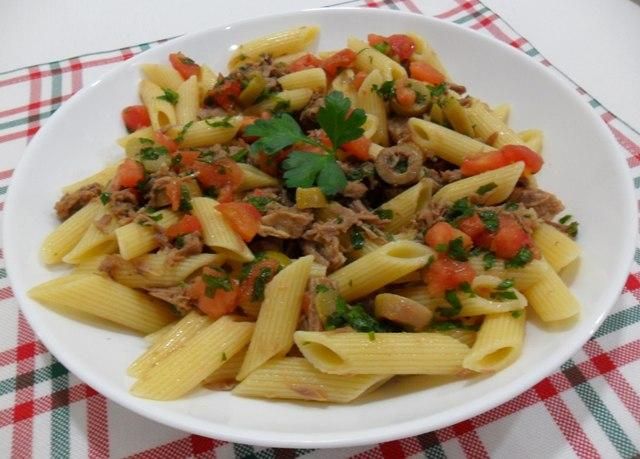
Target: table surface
589,407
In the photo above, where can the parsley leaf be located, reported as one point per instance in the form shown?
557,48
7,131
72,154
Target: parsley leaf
488,261
357,238
152,153
224,122
340,125
383,47
490,220
185,199
354,316
524,256
260,283
277,133
170,96
511,206
183,131
454,301
213,283
516,314
438,90
449,325
386,90
460,209
321,288
105,197
505,284
303,169
564,219
457,250
240,155
384,214
259,202
484,189
503,295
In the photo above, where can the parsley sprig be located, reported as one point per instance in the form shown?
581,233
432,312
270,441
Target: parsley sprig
305,169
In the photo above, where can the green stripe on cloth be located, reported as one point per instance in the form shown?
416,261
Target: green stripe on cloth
31,378
3,273
471,16
3,190
618,320
56,84
26,120
60,439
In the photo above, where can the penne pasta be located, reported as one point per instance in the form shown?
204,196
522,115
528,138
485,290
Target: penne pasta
135,239
161,113
404,206
164,76
188,101
252,177
369,59
551,299
557,248
314,79
372,103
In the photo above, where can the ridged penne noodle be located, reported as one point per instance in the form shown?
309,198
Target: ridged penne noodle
186,367
224,378
314,79
93,239
172,339
161,113
556,247
102,178
489,127
343,82
372,103
317,270
216,231
523,277
252,177
420,295
339,352
158,334
291,100
370,126
369,59
295,378
188,101
278,315
505,179
207,132
144,133
502,112
368,247
206,81
551,299
89,265
405,205
467,337
445,143
379,268
425,52
135,239
478,304
275,44
289,58
532,138
498,343
164,76
157,270
104,298
64,238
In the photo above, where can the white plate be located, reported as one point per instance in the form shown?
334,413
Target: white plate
583,166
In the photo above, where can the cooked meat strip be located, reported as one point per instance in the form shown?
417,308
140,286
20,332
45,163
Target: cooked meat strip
449,176
399,129
72,202
545,204
176,296
103,223
111,263
123,206
284,222
355,190
399,165
309,319
326,250
190,244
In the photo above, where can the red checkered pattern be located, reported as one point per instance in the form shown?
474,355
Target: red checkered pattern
590,407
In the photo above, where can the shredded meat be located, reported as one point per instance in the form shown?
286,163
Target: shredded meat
191,244
355,190
399,165
111,264
308,116
211,112
103,223
399,129
449,176
326,251
177,296
70,203
123,205
545,204
284,222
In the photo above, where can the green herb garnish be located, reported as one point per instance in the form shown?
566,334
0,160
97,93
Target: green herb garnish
383,47
386,90
357,238
260,283
259,202
524,256
170,96
457,250
490,220
185,199
354,316
183,131
460,209
105,197
240,156
516,314
484,189
488,261
321,288
454,301
152,153
384,214
213,283
224,123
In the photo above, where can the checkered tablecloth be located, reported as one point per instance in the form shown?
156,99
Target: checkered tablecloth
589,407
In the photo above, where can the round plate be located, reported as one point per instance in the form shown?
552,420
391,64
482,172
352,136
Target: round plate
80,139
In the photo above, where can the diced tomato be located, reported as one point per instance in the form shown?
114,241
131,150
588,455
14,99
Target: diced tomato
247,291
375,39
222,173
358,148
270,164
341,60
243,217
187,157
188,224
473,227
129,174
447,274
173,192
508,154
420,70
135,117
226,94
220,301
244,123
510,238
405,96
359,79
402,45
442,233
308,61
185,66
165,141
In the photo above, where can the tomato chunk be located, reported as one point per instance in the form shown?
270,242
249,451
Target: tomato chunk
508,154
308,61
188,224
226,94
514,153
252,287
186,158
135,117
244,218
215,292
473,227
442,233
185,66
220,174
422,71
341,60
402,45
510,238
165,141
447,274
358,148
359,78
405,96
129,174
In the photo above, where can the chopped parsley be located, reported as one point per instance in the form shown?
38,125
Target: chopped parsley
156,217
358,173
488,261
170,96
259,202
516,314
503,291
511,206
430,260
457,250
564,219
572,227
152,153
179,242
321,288
372,335
466,288
105,197
454,301
183,131
260,283
185,199
223,123
386,90
144,140
282,105
438,90
357,238
505,284
524,256
213,283
383,47
449,325
384,214
240,156
460,209
484,189
490,220
354,316
224,356
442,247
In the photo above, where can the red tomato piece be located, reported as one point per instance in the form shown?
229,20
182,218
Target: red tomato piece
358,148
422,71
341,60
473,227
447,274
508,154
188,224
187,157
129,174
406,97
510,238
442,233
375,39
514,153
221,173
359,79
402,45
173,192
167,142
247,286
244,218
220,300
185,66
308,61
226,94
135,117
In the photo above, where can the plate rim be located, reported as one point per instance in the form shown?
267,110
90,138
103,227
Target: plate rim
305,440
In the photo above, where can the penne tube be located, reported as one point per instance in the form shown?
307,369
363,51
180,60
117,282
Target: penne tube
135,239
425,52
94,239
188,101
314,79
206,81
489,127
479,304
224,378
523,277
207,132
164,76
161,113
369,59
291,100
144,133
372,103
502,112
252,177
557,248
551,299
102,178
405,205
